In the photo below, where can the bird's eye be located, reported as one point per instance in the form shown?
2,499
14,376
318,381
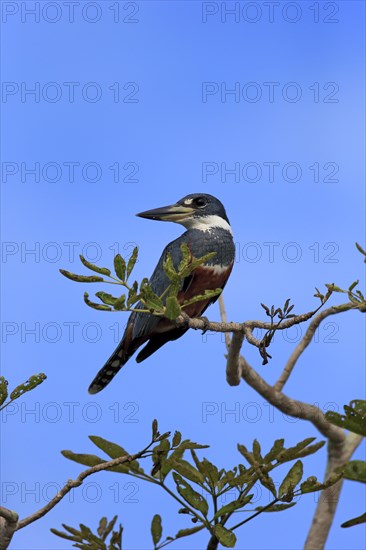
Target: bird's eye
200,202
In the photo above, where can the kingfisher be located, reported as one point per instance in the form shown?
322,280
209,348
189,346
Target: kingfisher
207,230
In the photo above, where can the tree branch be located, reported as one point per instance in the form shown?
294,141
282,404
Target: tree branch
8,524
305,341
72,483
323,518
9,520
233,369
292,407
223,318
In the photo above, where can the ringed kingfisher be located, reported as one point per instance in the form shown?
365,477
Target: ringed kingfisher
208,230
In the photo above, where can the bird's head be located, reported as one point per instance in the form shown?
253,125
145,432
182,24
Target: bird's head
197,211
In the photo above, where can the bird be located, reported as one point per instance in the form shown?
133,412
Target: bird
207,230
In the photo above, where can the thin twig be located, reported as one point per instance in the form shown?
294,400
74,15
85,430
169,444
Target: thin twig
305,341
223,318
287,405
72,483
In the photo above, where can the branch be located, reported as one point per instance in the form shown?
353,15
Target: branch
246,328
287,405
9,520
323,518
305,341
233,346
8,524
72,483
233,370
223,318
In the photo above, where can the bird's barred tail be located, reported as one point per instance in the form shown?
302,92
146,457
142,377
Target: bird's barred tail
110,369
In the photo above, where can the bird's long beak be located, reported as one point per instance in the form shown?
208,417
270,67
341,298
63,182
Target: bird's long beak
172,213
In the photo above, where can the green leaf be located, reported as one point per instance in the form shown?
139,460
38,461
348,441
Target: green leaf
154,428
3,390
257,451
242,479
352,286
156,529
97,269
132,261
355,470
276,507
226,537
29,385
246,454
310,485
63,535
334,478
120,267
177,438
200,297
293,452
187,444
90,537
360,249
82,278
190,495
120,303
159,457
186,257
185,469
71,530
185,532
172,309
200,261
355,521
111,449
94,305
275,451
106,298
210,471
311,449
102,526
292,479
151,300
116,539
133,297
266,481
354,418
232,506
109,527
169,269
86,460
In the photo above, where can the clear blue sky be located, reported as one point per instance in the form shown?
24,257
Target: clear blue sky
134,105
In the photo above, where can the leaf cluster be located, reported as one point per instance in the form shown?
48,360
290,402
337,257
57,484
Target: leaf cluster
354,420
198,485
27,386
141,297
273,313
85,539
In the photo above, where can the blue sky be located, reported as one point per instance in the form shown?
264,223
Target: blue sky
134,105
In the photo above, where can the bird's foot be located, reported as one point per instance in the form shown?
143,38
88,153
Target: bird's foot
185,322
206,324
